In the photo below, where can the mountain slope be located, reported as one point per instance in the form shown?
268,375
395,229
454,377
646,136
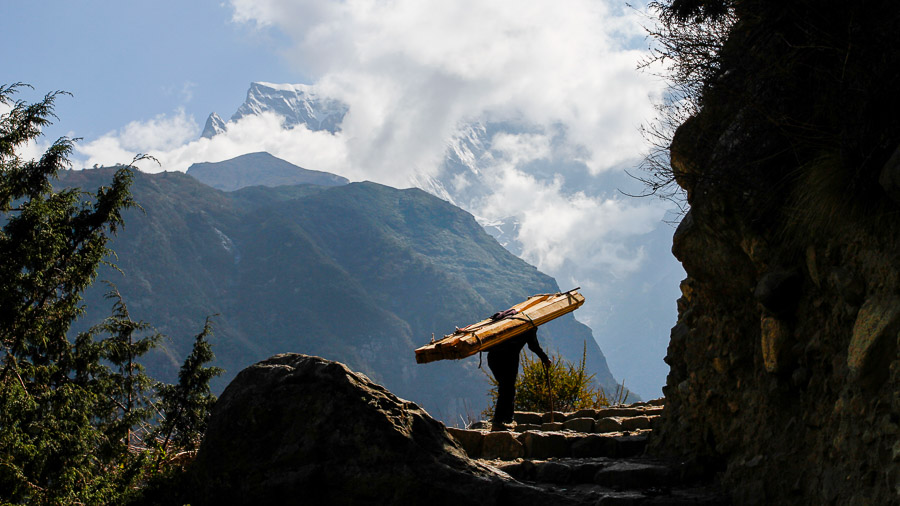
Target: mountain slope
360,273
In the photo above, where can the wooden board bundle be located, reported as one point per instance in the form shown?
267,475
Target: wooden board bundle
469,340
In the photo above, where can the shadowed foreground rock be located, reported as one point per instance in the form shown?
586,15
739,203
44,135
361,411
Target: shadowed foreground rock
296,429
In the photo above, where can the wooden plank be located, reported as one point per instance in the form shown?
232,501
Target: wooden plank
469,340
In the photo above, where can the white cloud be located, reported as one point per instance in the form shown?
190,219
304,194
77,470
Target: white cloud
521,148
158,134
556,227
412,70
184,91
174,141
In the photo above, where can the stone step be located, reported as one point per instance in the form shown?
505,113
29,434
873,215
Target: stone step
633,481
631,411
617,431
525,423
638,416
631,473
592,495
505,445
590,457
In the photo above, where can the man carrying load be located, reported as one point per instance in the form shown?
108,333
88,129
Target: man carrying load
503,360
503,335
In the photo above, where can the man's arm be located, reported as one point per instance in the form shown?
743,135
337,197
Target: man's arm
535,347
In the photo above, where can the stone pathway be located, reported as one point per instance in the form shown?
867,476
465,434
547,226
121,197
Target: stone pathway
591,456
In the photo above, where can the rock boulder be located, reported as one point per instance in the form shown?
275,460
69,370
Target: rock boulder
301,429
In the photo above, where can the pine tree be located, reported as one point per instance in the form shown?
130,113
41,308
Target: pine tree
186,405
129,390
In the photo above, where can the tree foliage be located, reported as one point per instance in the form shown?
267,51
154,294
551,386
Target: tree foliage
186,405
70,410
129,390
50,246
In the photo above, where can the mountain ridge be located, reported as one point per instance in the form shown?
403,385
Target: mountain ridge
260,168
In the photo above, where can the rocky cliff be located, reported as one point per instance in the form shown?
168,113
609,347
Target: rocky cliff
784,361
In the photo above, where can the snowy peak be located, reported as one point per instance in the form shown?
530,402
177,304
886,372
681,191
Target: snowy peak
297,103
214,126
466,149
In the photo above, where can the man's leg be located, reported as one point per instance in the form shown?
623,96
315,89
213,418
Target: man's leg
505,369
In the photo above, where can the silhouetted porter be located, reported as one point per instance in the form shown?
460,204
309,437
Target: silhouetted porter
503,359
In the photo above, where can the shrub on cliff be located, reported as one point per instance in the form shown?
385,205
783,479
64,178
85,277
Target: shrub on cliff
808,82
687,40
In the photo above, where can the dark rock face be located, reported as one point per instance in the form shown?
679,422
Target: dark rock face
298,429
784,362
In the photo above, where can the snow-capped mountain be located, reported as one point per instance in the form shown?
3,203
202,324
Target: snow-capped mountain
298,104
214,126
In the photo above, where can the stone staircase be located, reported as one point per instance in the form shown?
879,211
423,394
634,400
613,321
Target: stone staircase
591,456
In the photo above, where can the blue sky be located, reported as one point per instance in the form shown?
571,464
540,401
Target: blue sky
126,61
